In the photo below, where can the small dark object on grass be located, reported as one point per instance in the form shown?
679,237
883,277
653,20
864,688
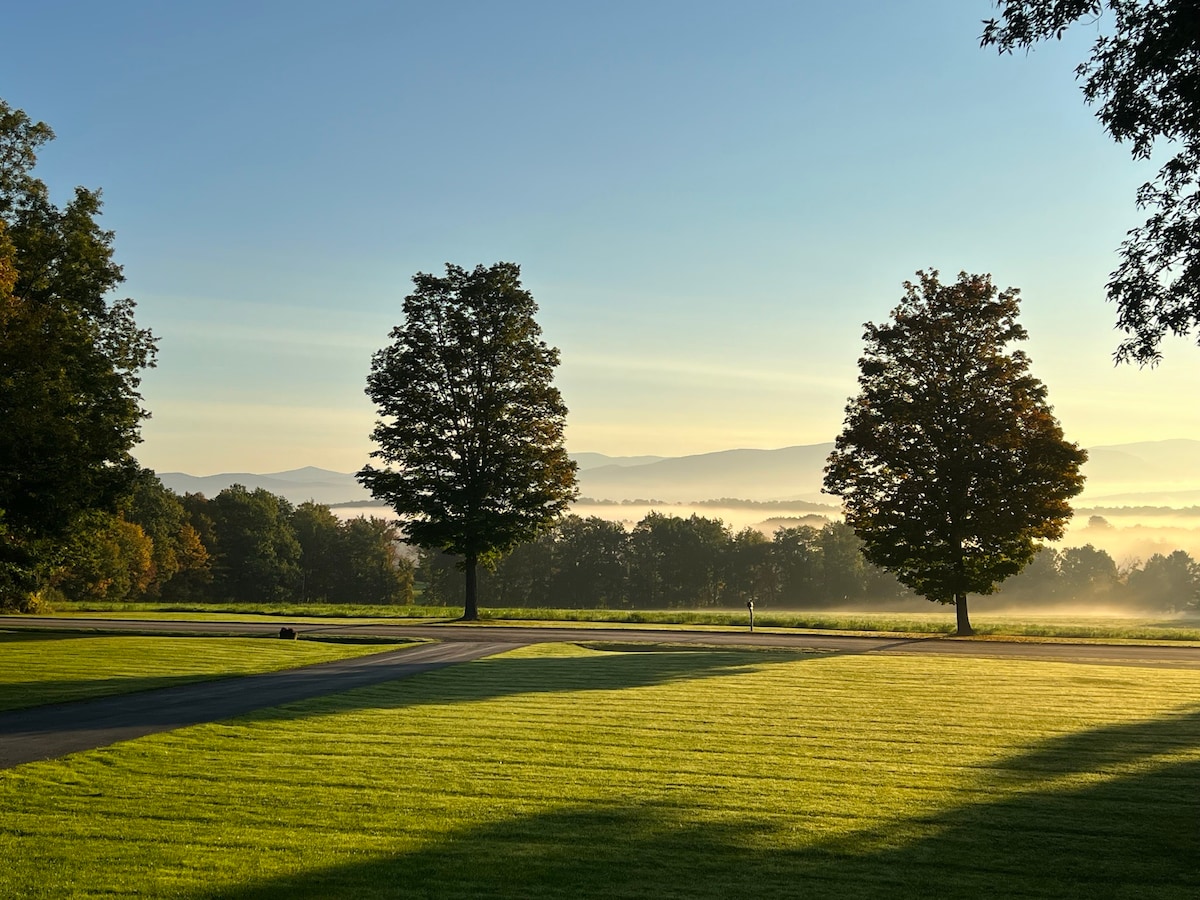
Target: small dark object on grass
287,633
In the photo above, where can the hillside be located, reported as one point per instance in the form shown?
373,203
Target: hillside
1157,473
297,485
792,473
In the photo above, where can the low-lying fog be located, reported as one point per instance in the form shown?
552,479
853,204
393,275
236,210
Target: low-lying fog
629,514
1131,534
1128,535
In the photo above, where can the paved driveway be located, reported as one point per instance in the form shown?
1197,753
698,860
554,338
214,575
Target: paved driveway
45,732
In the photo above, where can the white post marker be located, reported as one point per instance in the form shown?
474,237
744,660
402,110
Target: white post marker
750,606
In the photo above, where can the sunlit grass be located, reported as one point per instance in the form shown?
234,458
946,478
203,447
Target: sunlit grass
940,620
51,668
286,610
565,772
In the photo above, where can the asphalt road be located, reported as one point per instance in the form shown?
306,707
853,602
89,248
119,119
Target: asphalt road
1119,654
45,732
55,730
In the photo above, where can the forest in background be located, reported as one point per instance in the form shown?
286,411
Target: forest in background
241,545
672,562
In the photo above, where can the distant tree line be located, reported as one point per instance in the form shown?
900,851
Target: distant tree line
1166,583
669,562
256,547
241,545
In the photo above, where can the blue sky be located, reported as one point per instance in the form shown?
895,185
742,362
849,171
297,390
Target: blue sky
707,201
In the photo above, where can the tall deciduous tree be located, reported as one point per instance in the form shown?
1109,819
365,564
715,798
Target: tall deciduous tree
592,562
375,571
1144,72
70,360
318,531
472,427
677,562
796,554
105,558
951,465
1086,573
256,556
1170,583
178,551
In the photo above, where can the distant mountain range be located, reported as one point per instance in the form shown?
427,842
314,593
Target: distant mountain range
1155,473
297,485
793,473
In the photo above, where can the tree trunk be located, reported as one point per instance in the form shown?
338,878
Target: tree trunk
470,607
964,620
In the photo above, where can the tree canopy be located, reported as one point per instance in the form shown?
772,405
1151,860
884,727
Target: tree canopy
950,465
666,562
1144,72
472,427
70,363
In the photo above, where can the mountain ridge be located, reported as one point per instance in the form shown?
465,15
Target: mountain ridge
1131,473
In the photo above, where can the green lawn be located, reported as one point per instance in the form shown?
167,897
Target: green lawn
937,620
558,771
40,668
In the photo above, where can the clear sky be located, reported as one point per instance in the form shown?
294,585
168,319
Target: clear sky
706,199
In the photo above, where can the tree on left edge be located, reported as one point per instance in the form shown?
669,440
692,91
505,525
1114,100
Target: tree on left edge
70,363
472,427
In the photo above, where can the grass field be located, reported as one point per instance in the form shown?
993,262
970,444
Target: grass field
50,668
558,771
940,620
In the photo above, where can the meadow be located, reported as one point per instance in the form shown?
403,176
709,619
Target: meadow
562,771
1068,623
40,668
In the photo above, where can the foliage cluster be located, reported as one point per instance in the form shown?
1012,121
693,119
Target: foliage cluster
472,428
248,546
697,563
70,364
1144,74
1163,583
669,562
951,465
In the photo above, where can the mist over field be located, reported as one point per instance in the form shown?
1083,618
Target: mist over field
1135,537
735,517
1141,498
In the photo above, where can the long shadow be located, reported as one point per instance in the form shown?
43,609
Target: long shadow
1106,747
51,730
27,637
25,695
503,676
1091,813
28,695
1133,835
45,732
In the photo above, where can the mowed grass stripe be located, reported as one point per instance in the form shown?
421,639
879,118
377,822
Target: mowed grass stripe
38,668
939,620
563,772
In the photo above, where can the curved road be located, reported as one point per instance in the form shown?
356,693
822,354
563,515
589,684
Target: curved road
1159,654
44,732
54,730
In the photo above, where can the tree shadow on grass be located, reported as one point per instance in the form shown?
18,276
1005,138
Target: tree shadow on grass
508,675
366,683
29,637
1135,834
29,695
24,695
1106,748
